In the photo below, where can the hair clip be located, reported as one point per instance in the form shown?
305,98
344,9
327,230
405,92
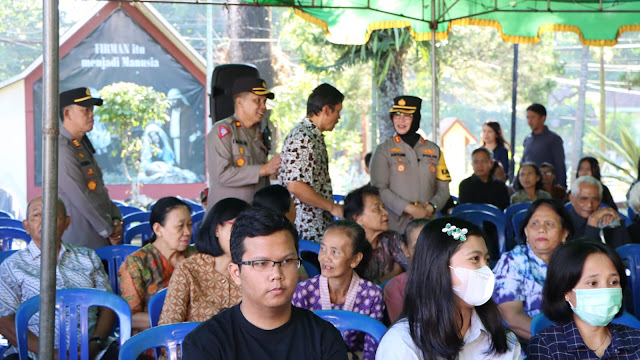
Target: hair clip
455,232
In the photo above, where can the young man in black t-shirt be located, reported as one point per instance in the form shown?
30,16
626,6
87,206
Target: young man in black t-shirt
264,325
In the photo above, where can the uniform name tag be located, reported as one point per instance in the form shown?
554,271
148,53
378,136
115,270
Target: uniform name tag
240,142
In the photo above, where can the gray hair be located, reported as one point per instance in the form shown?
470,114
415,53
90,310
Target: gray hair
634,198
575,187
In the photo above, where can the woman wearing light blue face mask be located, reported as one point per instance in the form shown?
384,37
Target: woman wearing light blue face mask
582,294
448,312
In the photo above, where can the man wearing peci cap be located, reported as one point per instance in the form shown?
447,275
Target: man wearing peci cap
236,155
409,170
97,221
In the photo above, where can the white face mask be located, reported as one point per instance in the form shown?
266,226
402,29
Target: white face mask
477,285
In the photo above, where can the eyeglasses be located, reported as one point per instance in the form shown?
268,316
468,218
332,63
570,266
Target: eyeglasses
547,173
268,265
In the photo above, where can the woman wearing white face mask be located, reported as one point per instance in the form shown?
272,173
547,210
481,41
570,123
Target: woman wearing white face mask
582,294
448,312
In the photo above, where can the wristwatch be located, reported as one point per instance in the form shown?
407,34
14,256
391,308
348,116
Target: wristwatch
435,208
102,342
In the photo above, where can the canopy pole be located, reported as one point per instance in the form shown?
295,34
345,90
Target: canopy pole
434,76
50,130
514,101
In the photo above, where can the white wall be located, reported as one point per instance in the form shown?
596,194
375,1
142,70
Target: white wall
13,142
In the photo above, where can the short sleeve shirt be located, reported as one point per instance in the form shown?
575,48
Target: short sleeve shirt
305,159
520,276
77,267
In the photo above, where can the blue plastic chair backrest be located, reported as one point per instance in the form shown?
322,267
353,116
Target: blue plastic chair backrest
155,306
136,217
72,309
473,207
541,322
143,229
631,254
338,199
310,269
515,208
310,246
516,219
195,207
119,203
348,320
479,217
128,210
196,219
168,336
5,254
114,256
11,223
4,214
8,234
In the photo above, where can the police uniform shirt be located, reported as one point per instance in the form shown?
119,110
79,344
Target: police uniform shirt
234,156
406,174
82,189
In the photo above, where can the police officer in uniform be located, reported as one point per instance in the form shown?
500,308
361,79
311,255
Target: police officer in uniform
409,170
236,153
96,220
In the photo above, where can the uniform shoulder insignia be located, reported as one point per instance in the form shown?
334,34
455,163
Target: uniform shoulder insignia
75,142
422,140
222,131
237,123
397,139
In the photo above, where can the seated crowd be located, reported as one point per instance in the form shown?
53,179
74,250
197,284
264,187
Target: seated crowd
401,261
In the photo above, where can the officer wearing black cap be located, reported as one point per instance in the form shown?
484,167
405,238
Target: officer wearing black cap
95,220
236,154
409,170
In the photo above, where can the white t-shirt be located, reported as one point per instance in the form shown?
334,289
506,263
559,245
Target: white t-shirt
398,344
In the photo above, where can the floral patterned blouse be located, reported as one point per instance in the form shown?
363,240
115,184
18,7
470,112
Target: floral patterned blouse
143,274
520,276
385,256
197,291
363,297
305,159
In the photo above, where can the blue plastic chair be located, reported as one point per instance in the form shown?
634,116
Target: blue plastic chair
196,219
128,210
477,207
155,306
11,223
630,212
4,214
309,246
5,254
631,254
136,217
114,256
119,203
143,229
516,219
167,336
348,320
479,217
71,309
195,207
541,322
338,199
510,231
8,234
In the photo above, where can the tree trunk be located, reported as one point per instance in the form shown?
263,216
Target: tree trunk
392,85
580,110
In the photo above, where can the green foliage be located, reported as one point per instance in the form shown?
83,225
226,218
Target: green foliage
20,35
128,108
623,156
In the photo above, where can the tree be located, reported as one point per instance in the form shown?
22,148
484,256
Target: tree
128,108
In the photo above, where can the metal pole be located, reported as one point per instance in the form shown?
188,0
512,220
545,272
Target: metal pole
434,76
209,60
514,101
49,180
